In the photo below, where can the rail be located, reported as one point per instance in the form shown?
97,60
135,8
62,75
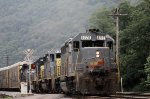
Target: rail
118,95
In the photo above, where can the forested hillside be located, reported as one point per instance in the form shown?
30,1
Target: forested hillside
42,24
134,42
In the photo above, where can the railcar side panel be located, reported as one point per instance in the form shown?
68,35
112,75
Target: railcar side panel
4,79
14,82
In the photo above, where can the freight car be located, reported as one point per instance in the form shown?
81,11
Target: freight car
12,76
88,64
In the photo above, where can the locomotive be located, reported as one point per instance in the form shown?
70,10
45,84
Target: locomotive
84,64
47,72
88,64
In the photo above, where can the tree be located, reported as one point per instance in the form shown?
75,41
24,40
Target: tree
101,20
135,40
147,71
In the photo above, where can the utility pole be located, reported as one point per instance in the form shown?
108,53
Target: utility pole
7,60
117,15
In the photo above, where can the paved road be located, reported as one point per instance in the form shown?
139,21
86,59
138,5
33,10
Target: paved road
43,96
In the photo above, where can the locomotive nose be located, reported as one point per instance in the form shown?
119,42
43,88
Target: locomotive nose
96,64
96,58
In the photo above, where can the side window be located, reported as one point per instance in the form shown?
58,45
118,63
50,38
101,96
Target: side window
76,46
52,57
110,44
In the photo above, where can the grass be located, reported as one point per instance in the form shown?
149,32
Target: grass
6,97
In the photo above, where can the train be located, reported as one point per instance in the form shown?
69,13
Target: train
11,76
84,64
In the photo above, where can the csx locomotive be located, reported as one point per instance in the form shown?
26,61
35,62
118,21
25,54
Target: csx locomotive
88,64
84,64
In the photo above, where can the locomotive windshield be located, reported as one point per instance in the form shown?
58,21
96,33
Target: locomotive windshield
100,43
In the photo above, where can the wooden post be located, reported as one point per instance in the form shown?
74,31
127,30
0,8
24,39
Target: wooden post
117,15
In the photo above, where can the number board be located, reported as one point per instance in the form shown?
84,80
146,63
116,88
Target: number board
86,37
101,37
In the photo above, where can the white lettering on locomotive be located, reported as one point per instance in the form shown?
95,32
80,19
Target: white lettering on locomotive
101,37
85,37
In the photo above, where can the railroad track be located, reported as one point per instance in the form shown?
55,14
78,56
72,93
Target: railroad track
132,95
116,96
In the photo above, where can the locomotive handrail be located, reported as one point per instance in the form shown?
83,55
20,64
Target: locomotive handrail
77,76
77,58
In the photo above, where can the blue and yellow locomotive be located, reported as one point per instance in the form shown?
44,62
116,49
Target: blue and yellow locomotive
47,72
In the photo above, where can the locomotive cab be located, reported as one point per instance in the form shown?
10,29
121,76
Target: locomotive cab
92,52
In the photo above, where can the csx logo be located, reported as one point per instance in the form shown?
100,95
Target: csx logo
85,37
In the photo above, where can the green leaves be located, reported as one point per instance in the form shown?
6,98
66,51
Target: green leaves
134,41
147,71
101,20
137,38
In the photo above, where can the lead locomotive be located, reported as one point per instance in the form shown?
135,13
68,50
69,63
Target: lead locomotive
88,64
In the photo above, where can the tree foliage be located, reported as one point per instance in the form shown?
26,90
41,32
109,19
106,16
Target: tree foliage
134,43
41,25
147,71
101,20
135,40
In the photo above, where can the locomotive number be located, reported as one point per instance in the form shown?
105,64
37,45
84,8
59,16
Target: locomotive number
101,38
85,37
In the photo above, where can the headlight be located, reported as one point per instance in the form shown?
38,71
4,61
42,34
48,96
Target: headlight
20,67
97,54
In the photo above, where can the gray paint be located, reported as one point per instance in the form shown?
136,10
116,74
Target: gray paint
86,54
